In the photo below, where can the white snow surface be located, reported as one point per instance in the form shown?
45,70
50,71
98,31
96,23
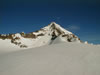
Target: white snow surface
7,46
56,59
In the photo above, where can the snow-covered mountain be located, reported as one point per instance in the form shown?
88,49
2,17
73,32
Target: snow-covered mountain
51,34
57,57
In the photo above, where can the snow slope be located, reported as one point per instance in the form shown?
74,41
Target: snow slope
6,46
55,59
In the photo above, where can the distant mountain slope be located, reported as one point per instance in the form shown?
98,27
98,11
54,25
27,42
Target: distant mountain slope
44,36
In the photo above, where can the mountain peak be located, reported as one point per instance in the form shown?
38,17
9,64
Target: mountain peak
54,24
54,27
46,35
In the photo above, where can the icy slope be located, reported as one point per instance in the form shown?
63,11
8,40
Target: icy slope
44,36
56,59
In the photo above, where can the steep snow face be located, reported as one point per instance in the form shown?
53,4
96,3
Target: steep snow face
44,36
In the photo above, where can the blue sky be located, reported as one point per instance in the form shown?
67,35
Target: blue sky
82,17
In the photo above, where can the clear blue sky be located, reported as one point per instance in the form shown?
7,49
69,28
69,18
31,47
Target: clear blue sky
82,17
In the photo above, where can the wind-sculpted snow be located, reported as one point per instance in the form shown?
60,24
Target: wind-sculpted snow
55,59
